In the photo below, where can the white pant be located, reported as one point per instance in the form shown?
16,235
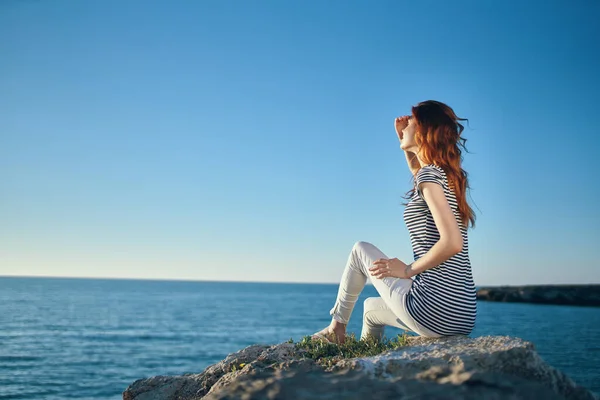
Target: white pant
389,309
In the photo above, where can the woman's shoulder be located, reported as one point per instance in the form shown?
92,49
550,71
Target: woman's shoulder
431,170
435,167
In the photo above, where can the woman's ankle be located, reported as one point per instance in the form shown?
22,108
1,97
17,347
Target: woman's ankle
337,326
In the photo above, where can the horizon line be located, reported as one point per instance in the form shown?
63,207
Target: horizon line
272,282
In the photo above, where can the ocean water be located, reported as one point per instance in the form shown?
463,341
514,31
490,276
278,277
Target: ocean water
65,338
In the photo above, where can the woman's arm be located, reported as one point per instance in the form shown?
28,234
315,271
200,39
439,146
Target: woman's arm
451,240
411,160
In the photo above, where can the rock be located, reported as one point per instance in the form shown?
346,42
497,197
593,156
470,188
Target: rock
576,295
194,386
457,367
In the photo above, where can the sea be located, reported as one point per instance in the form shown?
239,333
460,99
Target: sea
74,338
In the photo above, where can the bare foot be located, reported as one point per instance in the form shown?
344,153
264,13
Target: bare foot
337,334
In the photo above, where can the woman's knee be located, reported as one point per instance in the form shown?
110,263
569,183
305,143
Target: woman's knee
369,304
360,245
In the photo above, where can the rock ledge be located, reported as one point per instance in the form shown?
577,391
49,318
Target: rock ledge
458,367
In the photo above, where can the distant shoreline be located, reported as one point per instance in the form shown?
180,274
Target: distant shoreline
563,294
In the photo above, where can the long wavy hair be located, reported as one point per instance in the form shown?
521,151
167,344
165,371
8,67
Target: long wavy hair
438,137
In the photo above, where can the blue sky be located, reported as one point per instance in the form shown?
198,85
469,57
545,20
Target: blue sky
254,141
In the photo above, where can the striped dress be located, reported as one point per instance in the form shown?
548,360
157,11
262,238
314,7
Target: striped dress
442,298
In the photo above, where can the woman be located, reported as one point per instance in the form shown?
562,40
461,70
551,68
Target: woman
440,300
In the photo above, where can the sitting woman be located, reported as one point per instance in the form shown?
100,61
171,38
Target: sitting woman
441,299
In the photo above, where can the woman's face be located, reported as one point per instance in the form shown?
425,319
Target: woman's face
408,136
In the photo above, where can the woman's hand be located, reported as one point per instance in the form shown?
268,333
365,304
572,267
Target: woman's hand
399,124
392,267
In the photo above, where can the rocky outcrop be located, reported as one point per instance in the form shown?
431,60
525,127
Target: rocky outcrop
576,295
458,367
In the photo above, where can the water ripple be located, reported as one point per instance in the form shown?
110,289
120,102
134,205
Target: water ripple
90,339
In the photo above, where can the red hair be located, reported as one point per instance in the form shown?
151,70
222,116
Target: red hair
438,137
